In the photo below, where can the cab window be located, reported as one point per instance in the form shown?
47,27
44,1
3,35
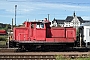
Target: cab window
40,25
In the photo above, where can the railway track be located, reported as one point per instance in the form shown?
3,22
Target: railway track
42,55
4,50
11,54
27,57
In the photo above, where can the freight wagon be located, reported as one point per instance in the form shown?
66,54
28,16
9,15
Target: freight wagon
3,32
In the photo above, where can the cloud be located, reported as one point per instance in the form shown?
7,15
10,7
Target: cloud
19,10
32,7
27,7
16,0
64,7
26,10
86,17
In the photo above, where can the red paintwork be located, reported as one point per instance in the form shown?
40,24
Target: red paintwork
33,32
21,34
3,32
40,34
56,32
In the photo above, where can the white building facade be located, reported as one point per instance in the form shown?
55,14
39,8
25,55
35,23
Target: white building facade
70,21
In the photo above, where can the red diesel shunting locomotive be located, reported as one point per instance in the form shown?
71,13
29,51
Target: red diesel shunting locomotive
39,35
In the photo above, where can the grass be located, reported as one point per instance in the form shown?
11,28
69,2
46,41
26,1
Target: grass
3,40
60,57
83,58
3,37
2,43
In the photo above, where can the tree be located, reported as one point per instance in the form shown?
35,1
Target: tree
77,32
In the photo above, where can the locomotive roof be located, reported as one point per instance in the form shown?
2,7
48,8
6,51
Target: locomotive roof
38,21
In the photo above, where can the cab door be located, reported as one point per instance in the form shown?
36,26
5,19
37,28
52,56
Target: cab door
40,32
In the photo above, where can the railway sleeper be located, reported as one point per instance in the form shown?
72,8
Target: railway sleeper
28,57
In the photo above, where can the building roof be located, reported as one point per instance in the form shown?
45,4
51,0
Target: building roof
86,21
80,19
59,21
86,24
70,18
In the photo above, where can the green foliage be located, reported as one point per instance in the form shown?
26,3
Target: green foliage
60,57
19,25
3,38
4,28
77,33
87,58
58,25
53,26
2,43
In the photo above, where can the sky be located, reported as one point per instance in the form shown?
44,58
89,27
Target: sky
30,10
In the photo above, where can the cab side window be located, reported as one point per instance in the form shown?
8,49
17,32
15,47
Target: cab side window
40,25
